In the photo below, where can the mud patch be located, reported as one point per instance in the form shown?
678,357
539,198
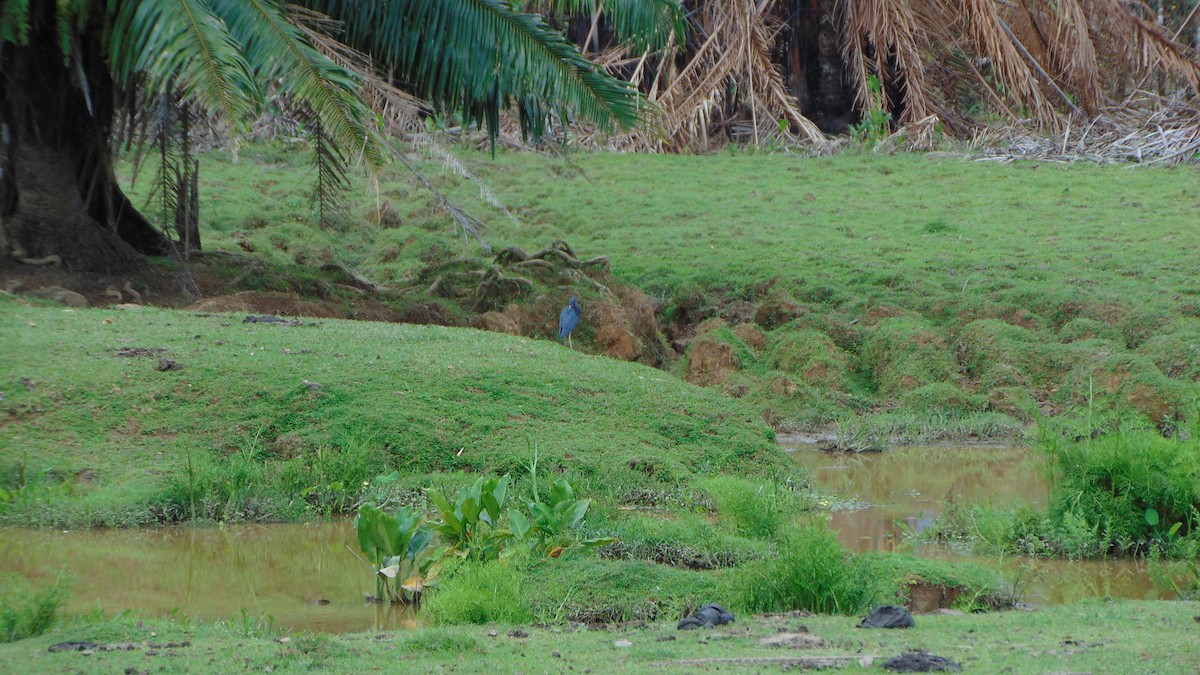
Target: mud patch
710,361
138,352
269,302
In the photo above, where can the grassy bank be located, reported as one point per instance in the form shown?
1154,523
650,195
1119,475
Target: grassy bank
1094,637
281,422
1032,289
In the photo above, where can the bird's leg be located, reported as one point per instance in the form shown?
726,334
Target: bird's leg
569,344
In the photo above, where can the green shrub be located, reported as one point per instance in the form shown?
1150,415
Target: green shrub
1123,491
27,612
479,592
810,571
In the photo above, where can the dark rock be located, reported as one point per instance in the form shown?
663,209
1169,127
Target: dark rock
257,318
169,364
920,662
706,617
73,646
517,633
888,616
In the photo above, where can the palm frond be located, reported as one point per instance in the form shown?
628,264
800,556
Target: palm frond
639,25
278,49
1144,42
478,56
14,22
734,59
879,32
989,37
159,44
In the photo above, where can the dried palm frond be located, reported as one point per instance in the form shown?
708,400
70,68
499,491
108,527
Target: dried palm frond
731,66
1145,44
1009,62
882,37
1147,129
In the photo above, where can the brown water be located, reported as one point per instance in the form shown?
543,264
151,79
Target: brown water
879,497
280,573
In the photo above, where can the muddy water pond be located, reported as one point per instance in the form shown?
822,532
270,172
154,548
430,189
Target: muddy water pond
298,577
304,577
878,497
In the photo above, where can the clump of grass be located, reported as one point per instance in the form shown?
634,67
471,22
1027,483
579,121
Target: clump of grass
688,540
1126,491
904,353
435,641
28,612
754,509
812,357
592,590
811,570
479,592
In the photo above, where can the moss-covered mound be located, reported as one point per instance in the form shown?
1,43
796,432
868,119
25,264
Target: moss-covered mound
118,416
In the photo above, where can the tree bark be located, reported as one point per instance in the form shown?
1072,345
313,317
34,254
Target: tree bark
58,193
811,56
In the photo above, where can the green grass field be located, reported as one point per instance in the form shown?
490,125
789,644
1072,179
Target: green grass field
260,412
1095,637
1032,288
913,296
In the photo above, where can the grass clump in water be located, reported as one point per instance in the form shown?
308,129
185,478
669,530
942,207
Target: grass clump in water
26,611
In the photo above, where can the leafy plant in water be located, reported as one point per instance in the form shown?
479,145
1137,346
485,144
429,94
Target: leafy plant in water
470,527
553,526
396,546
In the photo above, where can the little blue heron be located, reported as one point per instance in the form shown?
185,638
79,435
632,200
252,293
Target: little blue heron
568,320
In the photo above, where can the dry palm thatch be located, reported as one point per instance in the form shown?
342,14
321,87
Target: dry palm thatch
727,78
885,39
1147,129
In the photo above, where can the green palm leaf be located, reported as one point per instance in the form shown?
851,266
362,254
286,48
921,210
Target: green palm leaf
639,24
181,43
14,21
479,56
278,50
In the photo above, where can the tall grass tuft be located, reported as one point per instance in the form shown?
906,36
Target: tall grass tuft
1127,492
27,612
811,571
486,592
754,509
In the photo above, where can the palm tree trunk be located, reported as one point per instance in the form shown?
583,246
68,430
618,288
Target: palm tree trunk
58,193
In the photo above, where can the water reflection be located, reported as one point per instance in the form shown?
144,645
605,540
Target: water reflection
301,577
886,495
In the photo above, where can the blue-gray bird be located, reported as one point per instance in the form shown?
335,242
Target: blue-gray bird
568,320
